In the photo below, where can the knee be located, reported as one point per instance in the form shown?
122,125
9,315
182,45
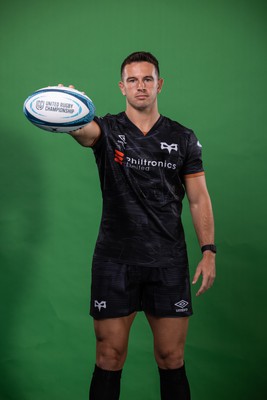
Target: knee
169,358
110,357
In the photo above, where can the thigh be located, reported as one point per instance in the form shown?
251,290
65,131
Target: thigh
169,340
114,330
168,331
112,335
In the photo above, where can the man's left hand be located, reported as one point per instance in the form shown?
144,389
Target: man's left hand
206,268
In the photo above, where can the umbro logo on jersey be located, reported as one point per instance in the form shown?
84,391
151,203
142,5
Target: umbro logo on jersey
119,156
101,304
122,140
169,147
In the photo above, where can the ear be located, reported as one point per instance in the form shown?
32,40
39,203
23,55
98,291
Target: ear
160,84
121,86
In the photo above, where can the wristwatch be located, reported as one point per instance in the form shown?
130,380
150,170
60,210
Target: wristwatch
210,247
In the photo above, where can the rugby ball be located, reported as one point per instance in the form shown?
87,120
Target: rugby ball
59,109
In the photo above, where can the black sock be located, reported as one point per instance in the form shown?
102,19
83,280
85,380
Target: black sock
174,384
105,385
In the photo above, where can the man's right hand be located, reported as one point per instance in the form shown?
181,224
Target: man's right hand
87,135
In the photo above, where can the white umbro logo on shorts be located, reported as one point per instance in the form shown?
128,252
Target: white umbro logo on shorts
101,304
181,304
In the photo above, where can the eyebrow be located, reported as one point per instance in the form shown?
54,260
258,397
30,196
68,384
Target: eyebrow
145,77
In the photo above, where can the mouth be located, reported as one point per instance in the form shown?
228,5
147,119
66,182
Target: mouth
142,96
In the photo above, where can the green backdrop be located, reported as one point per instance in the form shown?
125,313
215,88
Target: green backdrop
213,58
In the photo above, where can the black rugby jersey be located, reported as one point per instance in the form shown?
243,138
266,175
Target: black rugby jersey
141,180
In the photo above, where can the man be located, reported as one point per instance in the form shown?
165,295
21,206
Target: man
146,164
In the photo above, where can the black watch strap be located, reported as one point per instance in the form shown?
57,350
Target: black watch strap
210,247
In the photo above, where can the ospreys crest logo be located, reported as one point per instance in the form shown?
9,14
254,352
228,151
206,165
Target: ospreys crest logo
169,147
100,304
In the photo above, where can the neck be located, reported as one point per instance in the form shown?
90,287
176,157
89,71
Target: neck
143,119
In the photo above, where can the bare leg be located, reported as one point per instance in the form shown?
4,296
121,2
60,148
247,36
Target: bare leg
111,349
112,341
169,342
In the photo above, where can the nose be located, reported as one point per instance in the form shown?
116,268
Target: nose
141,85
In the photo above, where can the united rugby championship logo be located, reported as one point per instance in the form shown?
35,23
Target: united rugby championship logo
39,104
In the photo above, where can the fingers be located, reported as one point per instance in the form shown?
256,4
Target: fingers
70,86
208,276
196,276
206,284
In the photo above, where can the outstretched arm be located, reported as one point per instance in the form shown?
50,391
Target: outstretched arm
87,135
202,215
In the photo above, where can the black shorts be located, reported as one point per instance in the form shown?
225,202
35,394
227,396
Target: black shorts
121,289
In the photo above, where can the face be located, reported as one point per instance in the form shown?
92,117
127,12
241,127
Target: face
141,85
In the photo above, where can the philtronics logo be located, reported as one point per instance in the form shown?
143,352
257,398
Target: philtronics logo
141,163
119,156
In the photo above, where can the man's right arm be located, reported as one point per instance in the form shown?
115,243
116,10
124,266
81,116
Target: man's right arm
87,135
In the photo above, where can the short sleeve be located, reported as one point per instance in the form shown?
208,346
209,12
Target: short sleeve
100,122
193,165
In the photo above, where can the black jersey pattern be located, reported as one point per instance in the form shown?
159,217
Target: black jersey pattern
142,186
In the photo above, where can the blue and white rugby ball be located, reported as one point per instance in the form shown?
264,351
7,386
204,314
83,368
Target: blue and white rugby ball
59,109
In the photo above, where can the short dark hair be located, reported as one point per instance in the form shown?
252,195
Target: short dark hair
140,56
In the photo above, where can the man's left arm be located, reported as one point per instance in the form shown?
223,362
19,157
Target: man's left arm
202,215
